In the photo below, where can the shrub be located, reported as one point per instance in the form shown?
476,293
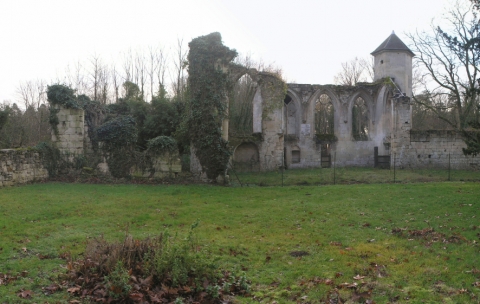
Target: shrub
161,145
159,269
62,95
118,132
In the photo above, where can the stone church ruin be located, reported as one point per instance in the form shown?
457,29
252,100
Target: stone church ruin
294,126
368,125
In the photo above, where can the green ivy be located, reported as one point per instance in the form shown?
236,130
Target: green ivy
208,81
161,145
95,113
53,120
62,95
118,132
4,116
119,137
51,156
274,90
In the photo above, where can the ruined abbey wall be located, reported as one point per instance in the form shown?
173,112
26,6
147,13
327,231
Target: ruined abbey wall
71,131
19,166
292,139
72,140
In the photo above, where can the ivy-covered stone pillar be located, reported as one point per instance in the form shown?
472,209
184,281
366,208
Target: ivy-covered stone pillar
207,121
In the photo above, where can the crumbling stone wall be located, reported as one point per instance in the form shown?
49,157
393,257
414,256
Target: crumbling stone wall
20,167
162,166
72,140
436,149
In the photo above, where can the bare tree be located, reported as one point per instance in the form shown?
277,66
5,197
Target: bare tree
95,74
128,62
77,78
156,69
116,81
104,85
450,57
141,72
178,79
354,71
450,70
32,93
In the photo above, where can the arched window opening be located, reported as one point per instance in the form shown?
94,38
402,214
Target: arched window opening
290,116
324,117
241,107
360,120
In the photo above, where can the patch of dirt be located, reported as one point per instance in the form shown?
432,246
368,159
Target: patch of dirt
429,235
297,254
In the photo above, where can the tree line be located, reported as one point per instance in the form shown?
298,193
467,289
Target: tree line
152,85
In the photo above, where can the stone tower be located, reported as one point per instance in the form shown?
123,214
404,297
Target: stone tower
394,59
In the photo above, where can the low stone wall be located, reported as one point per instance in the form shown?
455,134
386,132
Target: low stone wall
437,149
162,166
20,167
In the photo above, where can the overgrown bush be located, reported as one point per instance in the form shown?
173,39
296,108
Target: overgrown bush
161,145
62,95
51,157
4,116
117,132
119,136
161,269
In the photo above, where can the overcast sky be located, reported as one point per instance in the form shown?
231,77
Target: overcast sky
308,39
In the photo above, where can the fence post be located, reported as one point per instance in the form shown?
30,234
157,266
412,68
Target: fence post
234,172
394,167
375,157
334,165
448,166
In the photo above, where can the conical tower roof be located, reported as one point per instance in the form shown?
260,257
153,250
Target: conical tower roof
393,43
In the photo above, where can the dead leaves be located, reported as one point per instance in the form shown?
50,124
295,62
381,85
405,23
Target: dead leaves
429,236
74,290
7,278
342,292
25,294
300,253
88,285
51,289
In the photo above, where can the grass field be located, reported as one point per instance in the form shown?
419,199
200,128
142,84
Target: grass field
350,175
405,243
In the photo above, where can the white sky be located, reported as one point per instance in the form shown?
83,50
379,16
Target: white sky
308,39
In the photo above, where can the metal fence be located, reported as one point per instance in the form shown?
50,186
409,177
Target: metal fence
355,175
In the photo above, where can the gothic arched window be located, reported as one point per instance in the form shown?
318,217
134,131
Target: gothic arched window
360,119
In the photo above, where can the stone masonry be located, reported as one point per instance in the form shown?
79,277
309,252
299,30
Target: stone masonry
19,166
71,131
72,140
286,136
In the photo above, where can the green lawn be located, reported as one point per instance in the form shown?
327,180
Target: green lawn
349,175
377,236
